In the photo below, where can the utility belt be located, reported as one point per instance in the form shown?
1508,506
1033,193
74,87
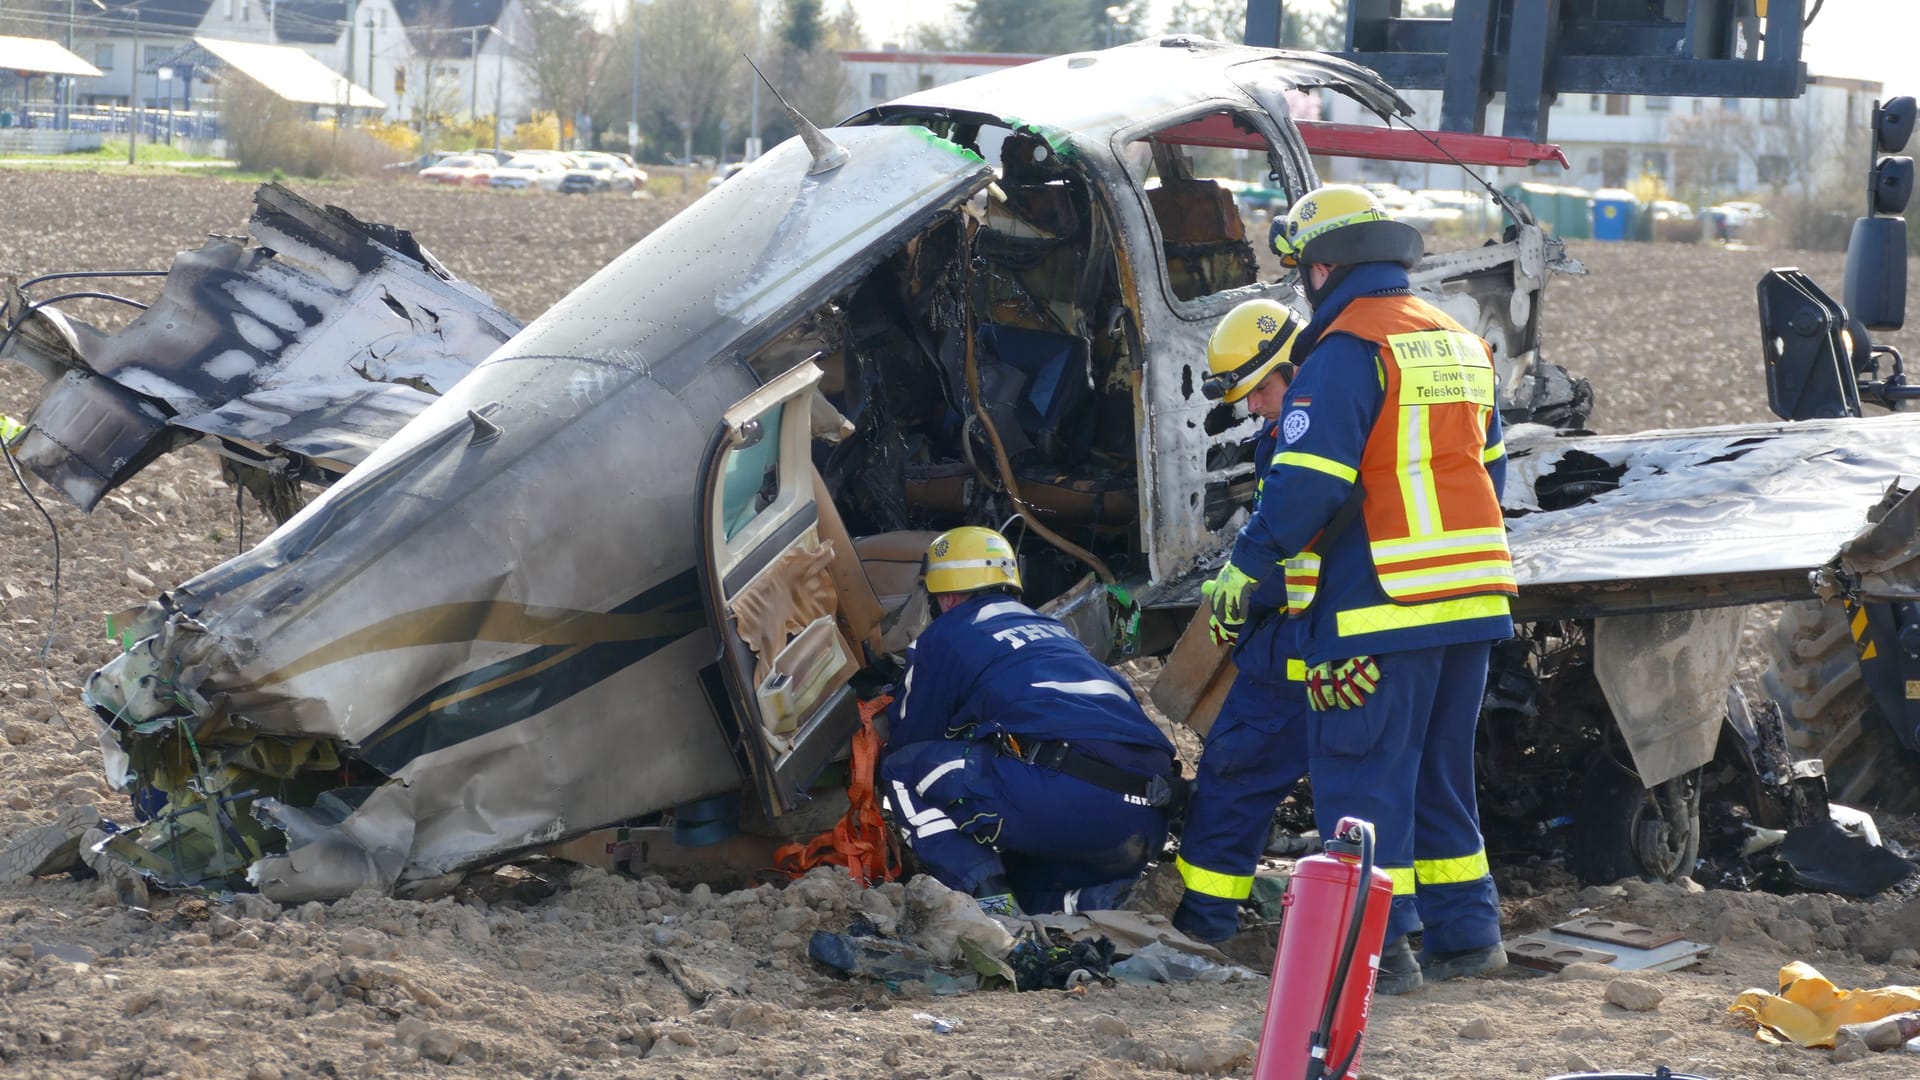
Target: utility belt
1059,755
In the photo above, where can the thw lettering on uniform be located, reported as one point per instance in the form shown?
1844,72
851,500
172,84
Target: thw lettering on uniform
1018,636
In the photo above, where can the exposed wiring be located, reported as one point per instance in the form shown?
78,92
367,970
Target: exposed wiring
1500,199
53,616
1020,505
68,275
13,466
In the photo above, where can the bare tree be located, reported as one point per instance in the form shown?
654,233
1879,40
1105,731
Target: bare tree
690,57
562,55
1708,149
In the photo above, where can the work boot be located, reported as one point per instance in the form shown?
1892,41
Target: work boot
1460,965
995,897
1002,904
1399,969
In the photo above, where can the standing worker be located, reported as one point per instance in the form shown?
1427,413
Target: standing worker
1394,413
1019,767
1257,747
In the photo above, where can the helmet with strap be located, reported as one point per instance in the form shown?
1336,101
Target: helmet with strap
1343,225
1248,344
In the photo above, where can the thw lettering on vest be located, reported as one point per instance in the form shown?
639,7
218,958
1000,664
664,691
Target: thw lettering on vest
1018,636
1441,366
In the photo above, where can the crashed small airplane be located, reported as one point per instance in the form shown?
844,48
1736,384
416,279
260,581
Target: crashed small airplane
652,547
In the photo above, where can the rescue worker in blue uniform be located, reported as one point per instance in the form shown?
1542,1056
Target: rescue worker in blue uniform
1390,538
1257,747
1020,769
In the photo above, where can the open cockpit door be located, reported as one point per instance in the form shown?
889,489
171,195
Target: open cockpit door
767,578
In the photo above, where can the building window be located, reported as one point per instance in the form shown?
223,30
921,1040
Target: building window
1773,111
1546,168
926,80
1593,163
152,55
1773,168
1699,106
103,57
1656,163
1594,102
1616,104
1730,104
1659,104
877,86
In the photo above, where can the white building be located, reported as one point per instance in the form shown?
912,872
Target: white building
1702,149
891,73
469,42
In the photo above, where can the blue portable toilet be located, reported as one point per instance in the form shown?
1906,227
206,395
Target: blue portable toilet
1613,212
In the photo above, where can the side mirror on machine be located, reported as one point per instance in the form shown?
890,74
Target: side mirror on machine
1876,284
1810,375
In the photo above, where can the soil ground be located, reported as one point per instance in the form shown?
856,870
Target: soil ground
517,975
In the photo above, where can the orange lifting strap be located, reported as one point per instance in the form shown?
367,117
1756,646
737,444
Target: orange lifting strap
860,841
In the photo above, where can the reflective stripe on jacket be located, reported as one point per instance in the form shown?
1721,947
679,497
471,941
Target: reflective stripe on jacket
1434,527
1433,518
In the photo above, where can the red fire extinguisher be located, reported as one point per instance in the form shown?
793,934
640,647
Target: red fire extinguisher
1331,934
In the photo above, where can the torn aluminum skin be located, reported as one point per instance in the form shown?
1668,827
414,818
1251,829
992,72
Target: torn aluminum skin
493,622
1694,518
1663,537
304,349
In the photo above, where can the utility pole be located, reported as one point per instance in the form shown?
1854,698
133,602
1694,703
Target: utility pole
633,120
499,76
133,93
353,8
473,55
753,123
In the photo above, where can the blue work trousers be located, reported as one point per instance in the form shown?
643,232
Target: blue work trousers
970,812
1256,752
1404,761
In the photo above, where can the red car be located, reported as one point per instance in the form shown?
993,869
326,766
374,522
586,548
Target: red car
461,169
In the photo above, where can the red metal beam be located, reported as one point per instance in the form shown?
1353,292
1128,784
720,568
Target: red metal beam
1361,141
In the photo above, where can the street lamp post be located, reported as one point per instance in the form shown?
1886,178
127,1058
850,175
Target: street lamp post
164,74
370,52
1117,16
499,77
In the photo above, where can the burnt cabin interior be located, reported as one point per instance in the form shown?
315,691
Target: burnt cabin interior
1056,349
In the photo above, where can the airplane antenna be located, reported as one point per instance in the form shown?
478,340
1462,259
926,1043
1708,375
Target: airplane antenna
827,154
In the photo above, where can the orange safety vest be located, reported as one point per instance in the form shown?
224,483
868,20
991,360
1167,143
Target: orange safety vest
1434,527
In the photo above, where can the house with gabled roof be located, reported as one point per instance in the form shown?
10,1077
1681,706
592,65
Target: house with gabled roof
452,59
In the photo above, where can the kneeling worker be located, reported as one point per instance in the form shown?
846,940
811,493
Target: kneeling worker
1019,767
1257,747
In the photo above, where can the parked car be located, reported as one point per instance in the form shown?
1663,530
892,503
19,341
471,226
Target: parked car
460,169
1674,220
425,160
1732,220
601,172
529,172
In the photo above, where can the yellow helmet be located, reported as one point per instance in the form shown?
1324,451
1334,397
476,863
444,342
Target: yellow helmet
970,558
1253,339
1342,225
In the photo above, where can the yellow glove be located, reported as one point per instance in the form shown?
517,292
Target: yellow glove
10,430
1344,685
1228,595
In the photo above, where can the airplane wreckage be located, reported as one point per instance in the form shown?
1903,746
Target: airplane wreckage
651,548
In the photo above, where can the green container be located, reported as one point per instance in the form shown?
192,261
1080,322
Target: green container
1565,212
